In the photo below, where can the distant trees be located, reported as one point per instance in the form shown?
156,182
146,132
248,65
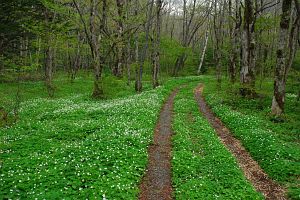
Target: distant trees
248,27
126,38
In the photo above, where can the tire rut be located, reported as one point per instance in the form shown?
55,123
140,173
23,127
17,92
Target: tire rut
251,169
157,183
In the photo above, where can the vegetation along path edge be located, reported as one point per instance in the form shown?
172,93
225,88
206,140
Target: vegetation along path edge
250,167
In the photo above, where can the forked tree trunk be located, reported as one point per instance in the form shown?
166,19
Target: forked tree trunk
93,42
282,60
247,74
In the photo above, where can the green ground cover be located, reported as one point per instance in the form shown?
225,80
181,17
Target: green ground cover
202,167
272,142
75,147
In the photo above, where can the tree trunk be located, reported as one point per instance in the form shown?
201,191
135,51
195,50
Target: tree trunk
48,58
156,64
234,39
97,91
138,80
203,52
120,46
77,60
217,28
247,75
142,57
49,69
282,60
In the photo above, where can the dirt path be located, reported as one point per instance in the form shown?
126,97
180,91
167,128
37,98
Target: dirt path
251,169
157,183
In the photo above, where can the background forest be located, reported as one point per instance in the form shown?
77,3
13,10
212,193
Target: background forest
62,59
138,41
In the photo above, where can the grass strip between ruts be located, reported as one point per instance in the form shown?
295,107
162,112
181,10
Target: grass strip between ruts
202,167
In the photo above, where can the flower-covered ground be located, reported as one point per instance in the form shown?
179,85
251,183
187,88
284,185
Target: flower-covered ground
75,147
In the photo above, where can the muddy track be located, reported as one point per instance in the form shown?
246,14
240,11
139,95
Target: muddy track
157,183
250,167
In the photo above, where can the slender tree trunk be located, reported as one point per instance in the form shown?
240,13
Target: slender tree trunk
217,28
184,22
282,60
49,69
156,66
247,74
142,57
294,36
173,27
48,58
97,91
128,56
38,52
138,80
233,32
77,60
203,52
120,46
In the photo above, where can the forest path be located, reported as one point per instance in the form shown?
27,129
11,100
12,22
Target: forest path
157,183
250,167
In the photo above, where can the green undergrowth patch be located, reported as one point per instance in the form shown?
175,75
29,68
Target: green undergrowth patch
78,148
202,167
275,145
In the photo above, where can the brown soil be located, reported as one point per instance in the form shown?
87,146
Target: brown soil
250,167
157,184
